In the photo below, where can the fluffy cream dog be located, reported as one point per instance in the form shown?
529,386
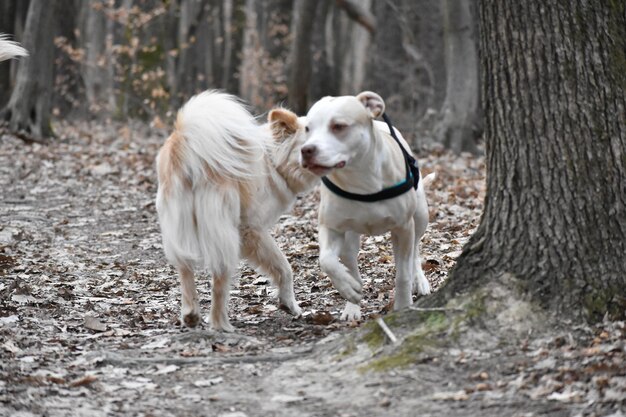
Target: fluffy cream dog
223,182
358,155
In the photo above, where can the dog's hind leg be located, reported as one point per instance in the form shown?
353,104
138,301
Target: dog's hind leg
403,240
420,283
260,249
349,257
216,210
190,311
219,301
331,244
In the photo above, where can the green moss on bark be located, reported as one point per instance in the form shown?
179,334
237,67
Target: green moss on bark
433,324
600,302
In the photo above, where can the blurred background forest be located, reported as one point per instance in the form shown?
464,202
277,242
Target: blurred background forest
142,59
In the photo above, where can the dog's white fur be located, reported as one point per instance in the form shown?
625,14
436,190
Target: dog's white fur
10,49
359,155
223,182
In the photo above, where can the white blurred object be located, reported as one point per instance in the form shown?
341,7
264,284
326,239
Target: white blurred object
10,49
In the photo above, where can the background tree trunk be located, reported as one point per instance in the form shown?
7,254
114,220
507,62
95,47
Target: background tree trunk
97,66
227,66
29,107
300,57
263,71
321,83
353,77
405,63
458,127
145,58
554,79
191,69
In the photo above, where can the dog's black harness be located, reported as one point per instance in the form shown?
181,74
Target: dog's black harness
411,181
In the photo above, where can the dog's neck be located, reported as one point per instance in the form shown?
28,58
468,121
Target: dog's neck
377,166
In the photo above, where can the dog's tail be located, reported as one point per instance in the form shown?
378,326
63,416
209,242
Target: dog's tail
207,169
10,49
429,179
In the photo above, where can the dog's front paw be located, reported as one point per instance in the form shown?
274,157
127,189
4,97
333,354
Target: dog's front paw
350,289
292,307
351,312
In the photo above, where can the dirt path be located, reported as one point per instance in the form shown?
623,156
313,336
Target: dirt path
89,309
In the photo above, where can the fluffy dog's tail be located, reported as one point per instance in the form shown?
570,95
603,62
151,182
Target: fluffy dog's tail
10,49
207,169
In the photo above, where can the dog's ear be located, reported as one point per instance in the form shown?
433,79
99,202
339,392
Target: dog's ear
283,122
372,102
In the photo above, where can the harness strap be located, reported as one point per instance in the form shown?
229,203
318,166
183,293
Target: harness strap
408,158
411,181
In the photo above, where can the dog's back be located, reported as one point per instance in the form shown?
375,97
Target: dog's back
206,171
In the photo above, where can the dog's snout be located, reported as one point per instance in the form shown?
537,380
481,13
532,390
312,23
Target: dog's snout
308,151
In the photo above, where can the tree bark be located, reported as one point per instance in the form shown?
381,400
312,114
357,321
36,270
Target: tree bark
264,54
300,59
360,13
191,63
29,106
356,55
405,62
554,81
233,52
458,127
227,16
323,82
97,65
251,57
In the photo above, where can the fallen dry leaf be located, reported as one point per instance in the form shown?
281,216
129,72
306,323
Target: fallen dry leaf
450,396
85,380
94,324
322,318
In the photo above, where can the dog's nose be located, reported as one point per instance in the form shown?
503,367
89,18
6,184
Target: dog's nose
308,151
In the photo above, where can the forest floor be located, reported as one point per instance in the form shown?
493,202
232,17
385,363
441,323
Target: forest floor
89,308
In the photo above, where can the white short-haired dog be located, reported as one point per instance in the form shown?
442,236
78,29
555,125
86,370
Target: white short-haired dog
223,182
368,190
10,49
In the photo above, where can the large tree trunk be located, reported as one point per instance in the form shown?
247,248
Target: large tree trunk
458,127
29,107
554,84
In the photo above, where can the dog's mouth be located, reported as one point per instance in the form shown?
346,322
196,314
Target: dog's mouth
322,170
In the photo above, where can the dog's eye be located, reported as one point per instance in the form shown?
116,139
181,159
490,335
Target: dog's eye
338,127
306,129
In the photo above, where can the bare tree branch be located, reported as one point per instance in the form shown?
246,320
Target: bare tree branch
359,14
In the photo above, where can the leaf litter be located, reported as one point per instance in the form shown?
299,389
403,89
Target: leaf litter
89,308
